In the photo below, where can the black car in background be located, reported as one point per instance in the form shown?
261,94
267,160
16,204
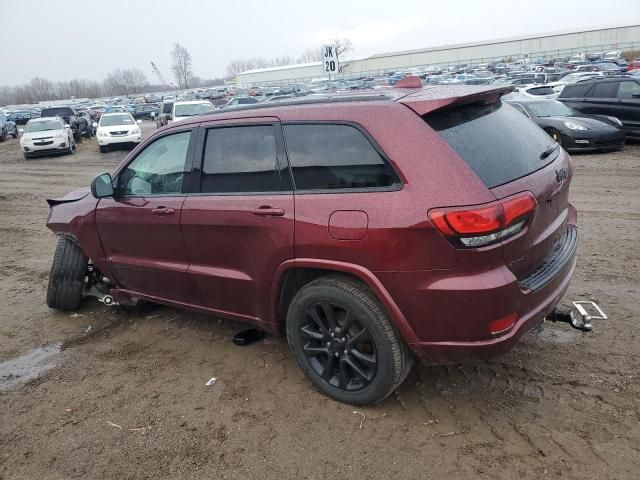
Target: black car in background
572,129
76,121
616,96
145,111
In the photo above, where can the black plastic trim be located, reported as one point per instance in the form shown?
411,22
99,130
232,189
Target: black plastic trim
563,252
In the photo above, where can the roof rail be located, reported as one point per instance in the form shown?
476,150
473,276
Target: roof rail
304,101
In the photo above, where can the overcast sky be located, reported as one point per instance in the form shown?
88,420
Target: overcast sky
67,39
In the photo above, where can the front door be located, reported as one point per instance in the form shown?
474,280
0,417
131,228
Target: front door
239,228
140,227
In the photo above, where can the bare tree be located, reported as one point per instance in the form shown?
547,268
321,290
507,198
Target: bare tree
341,46
181,67
311,55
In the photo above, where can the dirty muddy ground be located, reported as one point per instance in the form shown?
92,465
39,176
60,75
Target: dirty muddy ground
111,394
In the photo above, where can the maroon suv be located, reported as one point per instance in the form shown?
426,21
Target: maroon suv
432,222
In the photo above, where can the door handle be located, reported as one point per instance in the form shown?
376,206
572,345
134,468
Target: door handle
163,211
268,212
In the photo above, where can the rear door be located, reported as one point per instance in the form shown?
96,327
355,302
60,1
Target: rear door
140,227
239,228
629,104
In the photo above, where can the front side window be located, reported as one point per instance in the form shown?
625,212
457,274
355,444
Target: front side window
627,90
604,90
327,157
158,169
242,159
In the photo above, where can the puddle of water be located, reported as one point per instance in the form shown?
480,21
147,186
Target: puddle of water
29,366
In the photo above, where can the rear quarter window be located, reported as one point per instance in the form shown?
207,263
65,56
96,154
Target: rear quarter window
497,142
335,156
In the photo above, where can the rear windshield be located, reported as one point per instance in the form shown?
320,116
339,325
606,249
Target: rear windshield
57,112
497,142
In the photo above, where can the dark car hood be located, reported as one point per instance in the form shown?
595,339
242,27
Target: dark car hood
70,197
588,121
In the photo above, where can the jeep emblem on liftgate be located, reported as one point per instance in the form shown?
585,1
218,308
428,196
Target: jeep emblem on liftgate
561,175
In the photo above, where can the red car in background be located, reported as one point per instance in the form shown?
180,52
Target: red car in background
369,228
635,65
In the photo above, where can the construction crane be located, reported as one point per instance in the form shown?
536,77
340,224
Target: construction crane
159,75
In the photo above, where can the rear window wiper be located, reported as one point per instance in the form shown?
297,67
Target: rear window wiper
550,149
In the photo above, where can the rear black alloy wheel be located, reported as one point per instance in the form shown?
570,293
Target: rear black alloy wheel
344,342
338,347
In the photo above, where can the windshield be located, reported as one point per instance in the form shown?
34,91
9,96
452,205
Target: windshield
43,126
57,112
549,109
190,109
118,119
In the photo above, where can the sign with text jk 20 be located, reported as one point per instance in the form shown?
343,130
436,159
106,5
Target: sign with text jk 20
330,59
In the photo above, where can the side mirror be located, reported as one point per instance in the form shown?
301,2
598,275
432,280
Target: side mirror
102,186
94,125
153,114
66,126
21,131
139,122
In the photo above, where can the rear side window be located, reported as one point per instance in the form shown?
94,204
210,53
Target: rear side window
327,157
242,159
497,142
604,90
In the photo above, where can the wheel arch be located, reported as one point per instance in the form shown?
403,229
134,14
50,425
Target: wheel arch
292,275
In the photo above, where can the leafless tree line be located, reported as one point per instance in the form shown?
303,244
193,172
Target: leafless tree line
341,46
118,82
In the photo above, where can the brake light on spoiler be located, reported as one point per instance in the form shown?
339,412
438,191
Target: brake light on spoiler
480,225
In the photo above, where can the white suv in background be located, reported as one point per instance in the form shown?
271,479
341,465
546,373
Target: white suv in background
182,110
46,135
118,127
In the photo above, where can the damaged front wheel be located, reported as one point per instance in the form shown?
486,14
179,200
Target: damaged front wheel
67,278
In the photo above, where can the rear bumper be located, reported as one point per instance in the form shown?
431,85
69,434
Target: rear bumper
450,311
133,139
461,352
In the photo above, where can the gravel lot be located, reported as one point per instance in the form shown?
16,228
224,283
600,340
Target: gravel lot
124,395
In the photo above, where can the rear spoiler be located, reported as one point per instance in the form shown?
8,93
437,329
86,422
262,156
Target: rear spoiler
432,98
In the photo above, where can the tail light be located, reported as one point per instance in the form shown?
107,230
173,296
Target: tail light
481,225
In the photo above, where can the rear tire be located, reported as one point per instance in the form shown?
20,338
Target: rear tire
352,354
66,280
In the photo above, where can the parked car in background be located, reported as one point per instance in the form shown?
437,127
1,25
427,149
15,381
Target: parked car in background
7,128
118,128
164,113
572,129
46,136
617,96
538,91
148,111
182,110
237,101
202,216
89,130
21,117
70,115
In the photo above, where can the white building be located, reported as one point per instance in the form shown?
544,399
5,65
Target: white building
556,44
